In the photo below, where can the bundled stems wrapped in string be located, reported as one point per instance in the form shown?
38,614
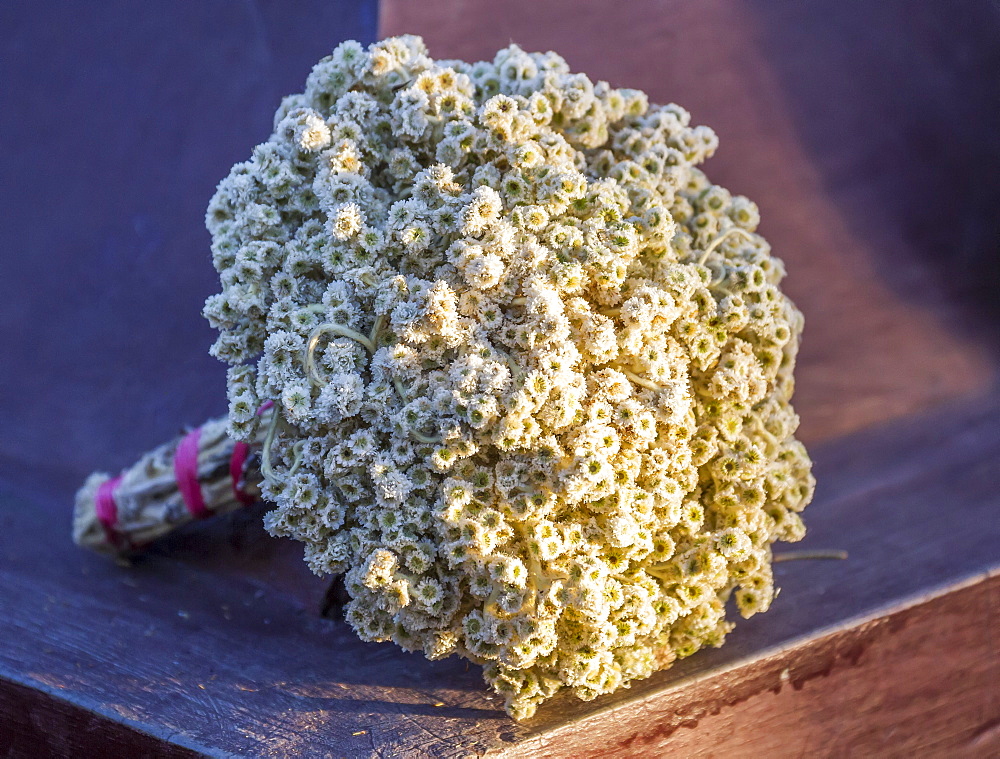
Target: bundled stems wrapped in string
166,489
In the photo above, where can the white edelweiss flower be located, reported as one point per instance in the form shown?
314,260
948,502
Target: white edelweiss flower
346,221
312,133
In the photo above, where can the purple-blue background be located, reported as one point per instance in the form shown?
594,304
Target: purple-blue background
117,120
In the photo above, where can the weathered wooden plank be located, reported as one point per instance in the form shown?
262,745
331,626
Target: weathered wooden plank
35,723
920,680
218,641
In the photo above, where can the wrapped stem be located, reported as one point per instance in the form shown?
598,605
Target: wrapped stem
198,475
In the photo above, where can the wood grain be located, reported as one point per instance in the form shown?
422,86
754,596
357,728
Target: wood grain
34,723
917,681
215,640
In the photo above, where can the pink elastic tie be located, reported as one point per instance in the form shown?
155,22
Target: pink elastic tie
186,473
240,453
106,508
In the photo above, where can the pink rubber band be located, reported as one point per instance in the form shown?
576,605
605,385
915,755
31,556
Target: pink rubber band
186,473
106,508
240,453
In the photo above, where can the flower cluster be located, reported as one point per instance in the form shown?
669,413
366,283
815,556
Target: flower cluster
530,368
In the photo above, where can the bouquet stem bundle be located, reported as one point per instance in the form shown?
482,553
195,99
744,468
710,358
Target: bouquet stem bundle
197,475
